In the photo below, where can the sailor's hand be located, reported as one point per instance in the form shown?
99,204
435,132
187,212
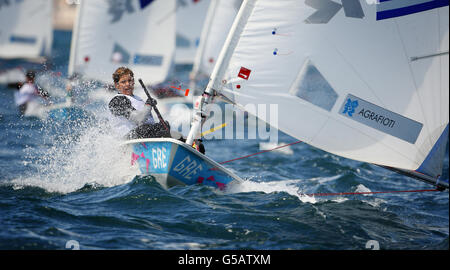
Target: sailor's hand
151,102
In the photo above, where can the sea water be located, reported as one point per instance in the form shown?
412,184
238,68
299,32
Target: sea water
68,184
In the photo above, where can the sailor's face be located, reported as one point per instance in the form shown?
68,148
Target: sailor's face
125,85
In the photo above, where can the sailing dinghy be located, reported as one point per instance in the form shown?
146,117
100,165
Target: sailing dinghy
368,82
136,34
173,162
26,29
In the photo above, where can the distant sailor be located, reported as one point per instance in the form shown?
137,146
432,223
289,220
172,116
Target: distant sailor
72,87
28,92
131,117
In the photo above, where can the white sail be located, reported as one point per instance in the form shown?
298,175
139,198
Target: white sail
220,17
136,34
26,28
190,15
364,81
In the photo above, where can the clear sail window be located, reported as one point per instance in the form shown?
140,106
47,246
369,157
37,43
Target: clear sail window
182,41
311,86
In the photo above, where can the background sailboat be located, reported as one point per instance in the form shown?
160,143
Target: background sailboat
220,17
26,33
368,82
190,16
137,34
20,35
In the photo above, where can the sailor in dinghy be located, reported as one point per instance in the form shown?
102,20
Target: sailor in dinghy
153,148
131,116
29,92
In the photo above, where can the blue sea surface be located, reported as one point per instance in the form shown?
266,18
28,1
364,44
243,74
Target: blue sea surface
64,184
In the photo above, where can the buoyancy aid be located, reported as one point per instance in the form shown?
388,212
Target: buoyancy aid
138,114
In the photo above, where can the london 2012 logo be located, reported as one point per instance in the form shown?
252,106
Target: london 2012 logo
350,107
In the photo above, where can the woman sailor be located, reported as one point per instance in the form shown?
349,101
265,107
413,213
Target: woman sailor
131,117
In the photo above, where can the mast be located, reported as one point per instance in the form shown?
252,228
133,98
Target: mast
74,42
215,84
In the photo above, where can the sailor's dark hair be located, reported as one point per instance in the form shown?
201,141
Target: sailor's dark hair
120,72
31,74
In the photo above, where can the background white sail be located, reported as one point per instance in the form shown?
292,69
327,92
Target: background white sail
136,34
316,58
190,15
220,17
26,28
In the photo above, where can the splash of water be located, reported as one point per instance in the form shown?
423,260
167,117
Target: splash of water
288,186
89,156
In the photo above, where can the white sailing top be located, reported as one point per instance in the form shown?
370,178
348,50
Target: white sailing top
27,93
127,112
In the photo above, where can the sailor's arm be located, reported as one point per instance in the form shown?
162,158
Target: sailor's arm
121,106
